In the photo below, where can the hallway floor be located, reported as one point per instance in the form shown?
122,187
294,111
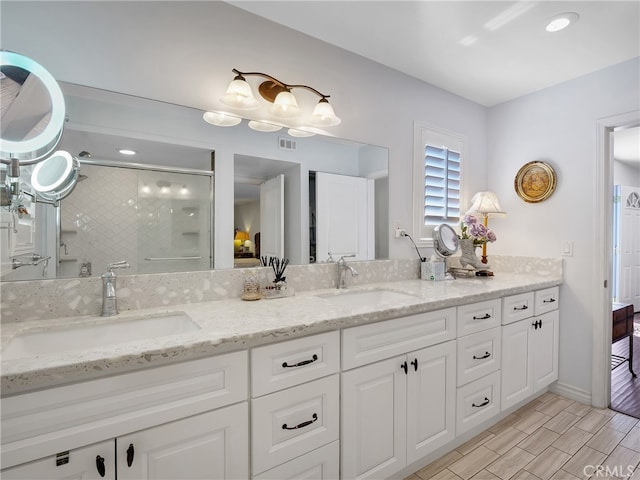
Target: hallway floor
551,437
625,390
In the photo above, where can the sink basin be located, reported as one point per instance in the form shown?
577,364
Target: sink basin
61,340
355,298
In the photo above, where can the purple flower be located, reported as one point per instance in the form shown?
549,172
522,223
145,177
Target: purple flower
491,236
470,220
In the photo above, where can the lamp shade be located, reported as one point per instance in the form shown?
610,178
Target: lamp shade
323,115
239,95
242,236
286,105
485,203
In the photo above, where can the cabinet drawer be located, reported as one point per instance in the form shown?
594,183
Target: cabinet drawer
285,364
517,307
478,355
320,464
370,343
292,422
477,401
547,300
479,316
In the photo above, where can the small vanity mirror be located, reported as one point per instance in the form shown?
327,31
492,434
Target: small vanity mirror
55,178
33,110
445,240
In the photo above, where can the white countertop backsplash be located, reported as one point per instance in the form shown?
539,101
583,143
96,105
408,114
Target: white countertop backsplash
226,322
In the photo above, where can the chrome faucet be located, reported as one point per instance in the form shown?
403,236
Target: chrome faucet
342,271
109,298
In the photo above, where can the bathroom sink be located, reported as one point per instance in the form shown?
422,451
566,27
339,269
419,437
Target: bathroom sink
355,298
61,340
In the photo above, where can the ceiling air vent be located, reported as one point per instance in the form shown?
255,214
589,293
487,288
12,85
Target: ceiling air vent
286,143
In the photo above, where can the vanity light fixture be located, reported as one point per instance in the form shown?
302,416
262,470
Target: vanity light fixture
561,21
485,203
285,105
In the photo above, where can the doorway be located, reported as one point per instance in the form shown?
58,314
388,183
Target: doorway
603,235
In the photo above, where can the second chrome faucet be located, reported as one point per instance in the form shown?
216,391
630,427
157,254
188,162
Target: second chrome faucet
343,267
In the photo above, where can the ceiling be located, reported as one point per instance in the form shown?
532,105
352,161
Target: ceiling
486,51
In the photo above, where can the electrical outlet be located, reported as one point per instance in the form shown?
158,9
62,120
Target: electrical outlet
400,232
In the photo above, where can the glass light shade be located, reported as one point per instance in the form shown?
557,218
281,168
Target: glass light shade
485,203
220,119
263,127
285,105
299,133
323,115
239,95
55,177
562,21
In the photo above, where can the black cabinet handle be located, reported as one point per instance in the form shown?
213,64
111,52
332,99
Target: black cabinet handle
486,402
300,364
486,355
404,367
415,364
537,324
551,300
130,453
100,465
484,317
303,424
523,307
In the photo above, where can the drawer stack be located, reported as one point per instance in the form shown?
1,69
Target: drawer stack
478,363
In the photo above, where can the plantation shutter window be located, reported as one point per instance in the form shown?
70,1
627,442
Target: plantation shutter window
441,186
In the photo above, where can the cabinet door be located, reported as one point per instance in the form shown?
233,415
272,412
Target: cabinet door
79,464
431,391
545,350
517,342
205,446
320,464
374,420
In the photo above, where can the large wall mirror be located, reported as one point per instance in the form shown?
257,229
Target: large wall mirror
300,198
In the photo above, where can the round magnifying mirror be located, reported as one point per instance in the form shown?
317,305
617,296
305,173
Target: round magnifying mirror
55,178
445,240
33,110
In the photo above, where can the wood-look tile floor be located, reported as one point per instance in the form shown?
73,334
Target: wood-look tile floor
550,438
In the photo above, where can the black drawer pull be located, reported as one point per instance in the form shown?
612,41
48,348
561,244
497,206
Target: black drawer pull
130,454
300,364
484,317
551,300
303,424
486,355
415,364
100,465
486,402
523,307
405,367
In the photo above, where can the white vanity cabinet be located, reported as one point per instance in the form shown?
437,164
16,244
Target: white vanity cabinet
189,417
530,346
295,414
396,411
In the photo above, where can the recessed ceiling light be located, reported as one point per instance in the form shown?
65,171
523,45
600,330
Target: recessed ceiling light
126,151
562,21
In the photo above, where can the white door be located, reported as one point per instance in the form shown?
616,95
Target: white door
345,217
272,217
205,446
517,342
545,350
86,463
431,394
628,247
374,429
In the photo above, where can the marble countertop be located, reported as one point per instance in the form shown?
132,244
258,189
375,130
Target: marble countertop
234,324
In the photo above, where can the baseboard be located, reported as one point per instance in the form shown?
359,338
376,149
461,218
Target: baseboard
571,392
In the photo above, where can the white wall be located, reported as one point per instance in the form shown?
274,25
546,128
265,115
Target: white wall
625,173
558,125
